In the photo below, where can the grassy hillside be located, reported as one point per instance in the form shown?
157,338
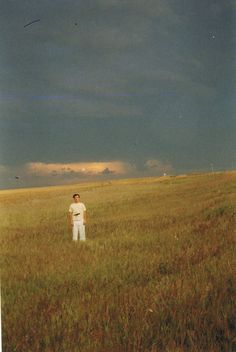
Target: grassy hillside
157,272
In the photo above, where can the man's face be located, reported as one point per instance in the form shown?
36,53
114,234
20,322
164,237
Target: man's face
77,199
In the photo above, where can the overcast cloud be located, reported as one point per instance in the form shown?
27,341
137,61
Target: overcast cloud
149,84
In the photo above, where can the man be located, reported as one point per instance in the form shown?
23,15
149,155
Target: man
77,217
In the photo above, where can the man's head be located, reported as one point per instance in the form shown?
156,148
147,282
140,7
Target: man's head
76,197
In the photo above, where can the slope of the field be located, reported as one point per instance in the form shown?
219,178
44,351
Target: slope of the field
157,272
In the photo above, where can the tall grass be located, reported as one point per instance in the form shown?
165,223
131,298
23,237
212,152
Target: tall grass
157,272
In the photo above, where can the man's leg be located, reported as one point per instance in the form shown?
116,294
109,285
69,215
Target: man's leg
75,231
82,231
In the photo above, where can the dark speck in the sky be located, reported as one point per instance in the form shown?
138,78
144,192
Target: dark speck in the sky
34,21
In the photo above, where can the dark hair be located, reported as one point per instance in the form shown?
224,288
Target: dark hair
76,194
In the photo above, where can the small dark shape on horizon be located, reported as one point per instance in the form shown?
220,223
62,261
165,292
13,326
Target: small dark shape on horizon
107,171
28,24
17,177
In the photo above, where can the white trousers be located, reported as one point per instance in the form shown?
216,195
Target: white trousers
78,228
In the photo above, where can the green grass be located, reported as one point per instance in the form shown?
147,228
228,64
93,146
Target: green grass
157,272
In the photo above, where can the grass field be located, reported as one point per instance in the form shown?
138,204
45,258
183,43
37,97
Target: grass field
157,272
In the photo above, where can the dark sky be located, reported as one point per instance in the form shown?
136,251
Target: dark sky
114,88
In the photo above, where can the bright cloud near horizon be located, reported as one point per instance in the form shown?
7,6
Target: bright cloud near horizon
88,168
56,173
111,88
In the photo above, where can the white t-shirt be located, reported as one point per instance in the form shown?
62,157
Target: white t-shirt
77,209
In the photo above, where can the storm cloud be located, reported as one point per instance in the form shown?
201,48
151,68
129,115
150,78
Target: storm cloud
132,81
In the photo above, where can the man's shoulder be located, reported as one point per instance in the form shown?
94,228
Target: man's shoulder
72,205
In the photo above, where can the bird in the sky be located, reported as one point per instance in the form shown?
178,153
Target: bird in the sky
34,21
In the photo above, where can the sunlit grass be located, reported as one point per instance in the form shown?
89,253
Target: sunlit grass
156,273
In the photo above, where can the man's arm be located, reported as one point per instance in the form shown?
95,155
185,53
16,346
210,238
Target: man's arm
70,218
84,217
